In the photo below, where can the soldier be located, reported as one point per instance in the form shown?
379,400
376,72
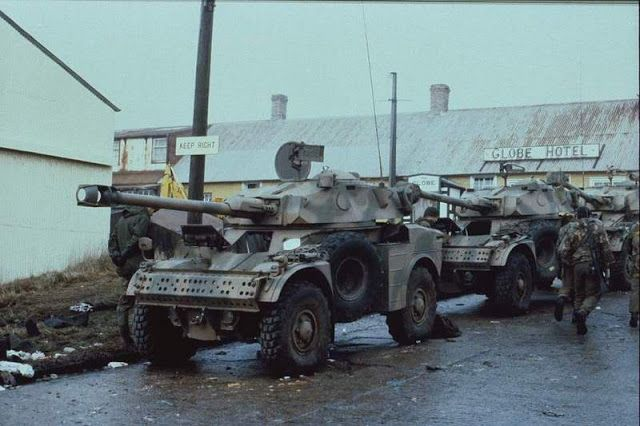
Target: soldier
429,218
633,299
569,225
588,249
125,254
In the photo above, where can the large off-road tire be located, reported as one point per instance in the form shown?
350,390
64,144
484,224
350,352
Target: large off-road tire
157,339
415,321
295,332
356,273
544,236
622,269
513,285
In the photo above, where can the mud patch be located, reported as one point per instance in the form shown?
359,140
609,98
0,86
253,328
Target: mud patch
26,303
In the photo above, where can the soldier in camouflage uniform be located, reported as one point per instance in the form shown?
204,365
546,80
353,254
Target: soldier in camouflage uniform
633,300
125,254
429,218
569,225
589,251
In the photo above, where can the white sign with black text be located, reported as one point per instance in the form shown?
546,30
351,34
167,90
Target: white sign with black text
551,152
197,145
428,183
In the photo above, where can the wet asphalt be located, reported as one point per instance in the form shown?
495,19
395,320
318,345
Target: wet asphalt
502,371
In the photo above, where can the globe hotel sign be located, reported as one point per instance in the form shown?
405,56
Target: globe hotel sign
550,152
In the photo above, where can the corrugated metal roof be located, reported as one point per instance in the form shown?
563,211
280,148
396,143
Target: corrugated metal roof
448,143
151,132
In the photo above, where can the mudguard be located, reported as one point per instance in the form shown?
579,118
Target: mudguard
272,286
501,253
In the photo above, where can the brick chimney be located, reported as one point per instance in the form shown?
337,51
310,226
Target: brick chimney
279,107
440,98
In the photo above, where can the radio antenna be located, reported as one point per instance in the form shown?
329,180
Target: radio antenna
373,99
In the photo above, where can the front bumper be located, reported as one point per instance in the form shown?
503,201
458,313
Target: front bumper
211,290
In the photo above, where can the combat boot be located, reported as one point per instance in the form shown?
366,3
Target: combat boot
633,321
581,323
559,310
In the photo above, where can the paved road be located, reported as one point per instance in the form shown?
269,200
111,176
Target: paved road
527,370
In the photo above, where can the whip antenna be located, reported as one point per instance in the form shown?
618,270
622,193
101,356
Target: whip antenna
373,100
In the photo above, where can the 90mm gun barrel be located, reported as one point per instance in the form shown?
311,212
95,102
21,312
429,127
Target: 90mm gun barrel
480,204
596,200
105,196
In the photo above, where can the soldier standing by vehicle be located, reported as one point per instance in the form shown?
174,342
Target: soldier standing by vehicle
429,218
589,251
569,225
635,253
125,254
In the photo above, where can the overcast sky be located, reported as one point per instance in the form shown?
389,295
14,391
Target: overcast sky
141,55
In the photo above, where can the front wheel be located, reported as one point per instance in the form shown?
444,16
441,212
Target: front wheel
295,332
513,285
157,339
415,321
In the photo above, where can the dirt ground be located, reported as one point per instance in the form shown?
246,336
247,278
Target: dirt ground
92,281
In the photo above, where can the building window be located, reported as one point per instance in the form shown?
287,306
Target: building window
599,181
483,182
251,185
116,154
159,150
207,196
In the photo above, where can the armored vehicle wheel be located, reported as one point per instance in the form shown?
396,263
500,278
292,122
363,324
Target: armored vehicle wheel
544,236
622,269
295,332
157,339
415,321
356,271
513,285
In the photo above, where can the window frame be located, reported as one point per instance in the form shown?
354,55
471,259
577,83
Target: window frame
483,178
600,181
245,185
153,150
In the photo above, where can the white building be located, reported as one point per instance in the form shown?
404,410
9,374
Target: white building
56,132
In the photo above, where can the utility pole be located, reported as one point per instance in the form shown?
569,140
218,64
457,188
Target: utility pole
201,104
392,144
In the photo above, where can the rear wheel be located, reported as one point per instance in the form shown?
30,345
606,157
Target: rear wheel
295,332
415,321
513,285
544,236
157,339
622,269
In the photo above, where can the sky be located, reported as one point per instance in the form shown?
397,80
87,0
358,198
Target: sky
142,55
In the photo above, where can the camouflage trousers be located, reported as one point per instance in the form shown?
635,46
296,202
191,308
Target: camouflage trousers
635,293
125,303
566,290
587,288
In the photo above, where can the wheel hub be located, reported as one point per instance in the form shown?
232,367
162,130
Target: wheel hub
419,306
304,330
521,287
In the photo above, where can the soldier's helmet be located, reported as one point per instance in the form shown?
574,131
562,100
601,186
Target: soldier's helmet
431,212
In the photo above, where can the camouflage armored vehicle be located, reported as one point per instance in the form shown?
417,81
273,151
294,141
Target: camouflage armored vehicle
617,207
504,242
291,261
